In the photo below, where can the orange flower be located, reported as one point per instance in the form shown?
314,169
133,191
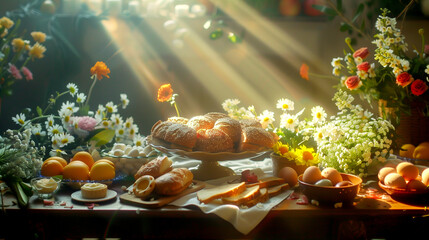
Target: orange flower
100,69
303,71
165,92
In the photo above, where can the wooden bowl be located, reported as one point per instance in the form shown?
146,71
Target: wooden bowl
331,194
404,193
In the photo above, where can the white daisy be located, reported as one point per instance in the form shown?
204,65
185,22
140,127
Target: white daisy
285,104
266,118
19,119
50,121
129,122
37,130
318,114
65,114
111,107
336,71
336,62
55,130
70,106
116,120
120,132
80,98
139,140
64,139
106,123
427,69
72,88
133,131
288,121
124,100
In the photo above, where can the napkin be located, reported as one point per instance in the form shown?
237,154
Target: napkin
243,219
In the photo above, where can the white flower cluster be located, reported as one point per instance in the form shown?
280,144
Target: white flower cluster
390,42
19,156
353,139
67,127
233,110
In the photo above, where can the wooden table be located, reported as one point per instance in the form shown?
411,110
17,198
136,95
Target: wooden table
367,218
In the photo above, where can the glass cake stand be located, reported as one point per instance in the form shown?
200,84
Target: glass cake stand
209,167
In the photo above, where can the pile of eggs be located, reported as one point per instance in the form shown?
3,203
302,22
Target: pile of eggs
128,159
404,176
328,177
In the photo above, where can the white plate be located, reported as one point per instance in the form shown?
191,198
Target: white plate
78,196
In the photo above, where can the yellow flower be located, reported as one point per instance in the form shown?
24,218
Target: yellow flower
100,69
6,22
18,44
38,36
37,51
306,156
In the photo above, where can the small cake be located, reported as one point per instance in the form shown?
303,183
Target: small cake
94,190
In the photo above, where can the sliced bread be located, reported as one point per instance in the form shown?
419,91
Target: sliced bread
267,182
247,195
274,191
227,190
261,198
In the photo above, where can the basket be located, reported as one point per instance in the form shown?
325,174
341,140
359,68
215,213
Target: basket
412,128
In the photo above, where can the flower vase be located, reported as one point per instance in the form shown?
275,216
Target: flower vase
413,128
280,162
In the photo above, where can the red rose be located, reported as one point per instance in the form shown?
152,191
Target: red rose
361,52
404,79
364,67
352,82
418,87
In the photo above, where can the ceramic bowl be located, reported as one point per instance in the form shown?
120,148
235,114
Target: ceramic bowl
331,194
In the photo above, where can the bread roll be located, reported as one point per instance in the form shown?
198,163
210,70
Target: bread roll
250,123
177,134
200,122
214,116
144,186
173,182
255,139
155,168
181,120
213,140
230,126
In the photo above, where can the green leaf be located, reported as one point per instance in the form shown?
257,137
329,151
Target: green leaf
358,12
234,38
83,111
39,111
103,137
216,34
328,11
345,27
340,5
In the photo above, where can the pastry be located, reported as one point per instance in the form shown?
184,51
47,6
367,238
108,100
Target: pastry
200,122
214,116
173,182
230,126
155,168
178,135
213,140
144,186
180,120
94,190
251,122
255,139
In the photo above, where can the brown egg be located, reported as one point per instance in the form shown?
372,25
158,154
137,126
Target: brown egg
395,180
332,174
289,175
425,177
407,170
382,173
311,175
415,185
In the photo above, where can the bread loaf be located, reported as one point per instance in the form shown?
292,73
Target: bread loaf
268,182
261,198
173,182
155,168
200,122
175,133
255,139
213,140
230,126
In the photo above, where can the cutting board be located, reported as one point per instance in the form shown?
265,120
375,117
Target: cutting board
159,201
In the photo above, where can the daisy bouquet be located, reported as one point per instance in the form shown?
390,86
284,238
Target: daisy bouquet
15,53
354,139
295,136
74,125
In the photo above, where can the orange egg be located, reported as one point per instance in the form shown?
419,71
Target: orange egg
289,175
395,180
311,175
415,185
425,177
51,168
59,159
332,174
85,157
382,173
76,170
407,170
102,171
